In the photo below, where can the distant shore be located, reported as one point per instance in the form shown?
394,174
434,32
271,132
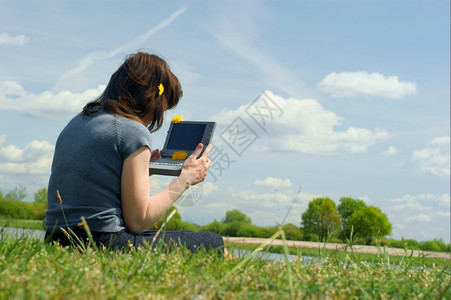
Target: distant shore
363,249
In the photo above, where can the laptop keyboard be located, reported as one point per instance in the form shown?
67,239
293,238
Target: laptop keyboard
166,164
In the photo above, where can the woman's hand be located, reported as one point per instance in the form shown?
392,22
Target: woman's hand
155,154
194,170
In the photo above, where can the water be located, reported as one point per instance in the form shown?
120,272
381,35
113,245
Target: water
18,232
275,256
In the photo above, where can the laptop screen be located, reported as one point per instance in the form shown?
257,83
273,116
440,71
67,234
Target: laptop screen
185,136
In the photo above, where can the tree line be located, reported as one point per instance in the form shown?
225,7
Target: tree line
352,221
12,206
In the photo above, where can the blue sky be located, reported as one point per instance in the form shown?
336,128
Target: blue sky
343,98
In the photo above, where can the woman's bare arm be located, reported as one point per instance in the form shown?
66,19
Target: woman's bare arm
139,209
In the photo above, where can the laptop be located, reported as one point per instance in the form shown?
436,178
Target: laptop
183,136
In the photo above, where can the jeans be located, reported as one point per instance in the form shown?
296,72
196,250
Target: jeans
191,240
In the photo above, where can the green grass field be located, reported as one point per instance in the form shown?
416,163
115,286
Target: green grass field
31,269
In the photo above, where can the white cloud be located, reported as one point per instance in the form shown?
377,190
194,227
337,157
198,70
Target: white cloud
415,198
435,158
8,40
265,209
444,213
278,203
355,84
260,199
221,206
440,141
273,182
209,188
34,158
299,125
421,201
46,105
157,183
400,226
443,200
411,206
391,151
192,196
419,218
365,199
61,103
32,150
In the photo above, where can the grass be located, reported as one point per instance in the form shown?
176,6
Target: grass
30,269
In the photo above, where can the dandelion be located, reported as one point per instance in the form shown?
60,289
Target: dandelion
179,155
177,119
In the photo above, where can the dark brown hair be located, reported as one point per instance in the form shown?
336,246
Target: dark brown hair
133,91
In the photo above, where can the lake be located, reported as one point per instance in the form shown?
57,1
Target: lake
18,232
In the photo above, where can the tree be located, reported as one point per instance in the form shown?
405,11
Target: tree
236,216
370,222
321,218
16,209
347,208
40,203
18,193
292,232
215,226
40,196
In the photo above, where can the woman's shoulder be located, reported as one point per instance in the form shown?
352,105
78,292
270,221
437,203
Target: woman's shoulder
131,136
108,119
111,125
130,130
128,124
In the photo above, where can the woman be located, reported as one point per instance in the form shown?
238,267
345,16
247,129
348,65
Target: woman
100,166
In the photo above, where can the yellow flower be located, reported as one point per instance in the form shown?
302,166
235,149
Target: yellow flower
179,155
177,119
160,89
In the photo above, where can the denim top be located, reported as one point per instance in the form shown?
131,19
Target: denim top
86,170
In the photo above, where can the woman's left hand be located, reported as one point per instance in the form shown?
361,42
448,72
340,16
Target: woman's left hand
155,154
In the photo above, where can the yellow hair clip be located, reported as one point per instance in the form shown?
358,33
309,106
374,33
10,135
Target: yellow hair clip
160,89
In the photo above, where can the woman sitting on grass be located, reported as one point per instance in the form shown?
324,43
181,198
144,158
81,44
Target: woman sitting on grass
100,165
